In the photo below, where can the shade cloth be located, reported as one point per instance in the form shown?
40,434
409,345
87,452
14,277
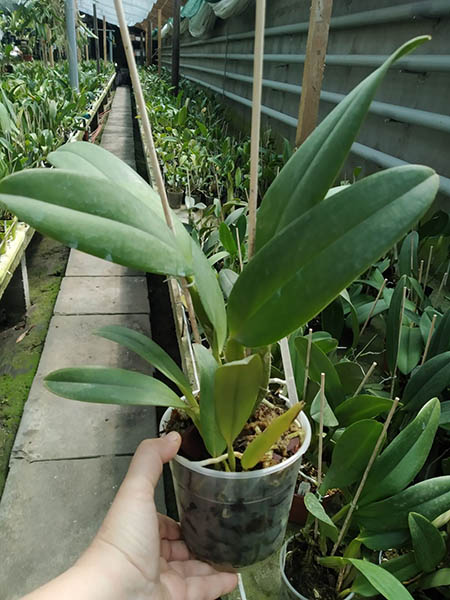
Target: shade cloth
135,10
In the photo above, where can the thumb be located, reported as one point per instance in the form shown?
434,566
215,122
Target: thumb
151,455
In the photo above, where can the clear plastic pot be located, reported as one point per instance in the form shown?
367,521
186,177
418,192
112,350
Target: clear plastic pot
287,592
235,519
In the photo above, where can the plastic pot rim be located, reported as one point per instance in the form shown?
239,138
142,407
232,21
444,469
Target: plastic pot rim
193,466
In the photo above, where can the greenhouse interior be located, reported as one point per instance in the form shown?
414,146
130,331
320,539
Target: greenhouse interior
224,299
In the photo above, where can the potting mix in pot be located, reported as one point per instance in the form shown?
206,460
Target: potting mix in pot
235,483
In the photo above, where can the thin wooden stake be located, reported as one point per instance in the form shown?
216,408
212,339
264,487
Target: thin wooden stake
288,371
50,46
87,51
241,264
427,345
320,450
258,62
140,101
427,272
365,378
364,477
411,263
421,271
308,358
316,47
443,281
380,291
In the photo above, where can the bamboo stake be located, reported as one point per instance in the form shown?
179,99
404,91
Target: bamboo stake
50,47
159,39
427,272
258,62
320,451
380,291
87,51
443,281
238,238
427,345
364,477
366,377
308,358
140,101
421,271
411,263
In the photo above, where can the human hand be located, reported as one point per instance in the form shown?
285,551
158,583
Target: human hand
137,553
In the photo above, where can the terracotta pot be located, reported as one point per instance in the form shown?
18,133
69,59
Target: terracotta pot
235,519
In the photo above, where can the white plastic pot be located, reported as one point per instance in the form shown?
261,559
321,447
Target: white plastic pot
287,592
235,519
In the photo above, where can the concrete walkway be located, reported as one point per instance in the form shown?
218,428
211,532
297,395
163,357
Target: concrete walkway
69,457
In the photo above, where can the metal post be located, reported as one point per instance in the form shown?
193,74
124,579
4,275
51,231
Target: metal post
105,57
176,47
142,52
71,43
159,39
150,43
111,52
97,41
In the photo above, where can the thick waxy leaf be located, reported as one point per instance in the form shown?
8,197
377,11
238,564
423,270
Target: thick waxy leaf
317,510
207,366
383,581
352,319
265,440
385,540
393,324
85,157
407,259
71,208
111,386
351,454
311,171
350,375
149,351
428,381
227,279
444,421
428,543
320,363
299,272
440,578
410,349
329,419
324,341
429,498
361,407
227,239
403,458
440,342
236,389
425,325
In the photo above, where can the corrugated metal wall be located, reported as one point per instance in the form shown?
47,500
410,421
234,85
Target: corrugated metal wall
410,120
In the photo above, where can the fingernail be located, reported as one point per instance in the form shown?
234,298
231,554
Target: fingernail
173,436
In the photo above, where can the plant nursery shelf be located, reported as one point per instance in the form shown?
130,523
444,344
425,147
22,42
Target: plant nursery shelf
15,247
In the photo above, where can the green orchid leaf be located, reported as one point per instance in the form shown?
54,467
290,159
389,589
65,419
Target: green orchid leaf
384,582
427,541
308,175
227,279
441,578
351,454
111,386
407,258
429,498
320,363
350,375
264,303
84,157
410,349
394,323
147,349
440,342
71,208
361,407
429,380
265,440
425,324
444,420
352,319
403,458
315,507
236,388
329,418
207,367
227,239
385,540
324,341
215,258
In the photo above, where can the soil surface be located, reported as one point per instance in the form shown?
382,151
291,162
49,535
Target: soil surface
193,448
22,338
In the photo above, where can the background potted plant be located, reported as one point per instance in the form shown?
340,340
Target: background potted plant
300,232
